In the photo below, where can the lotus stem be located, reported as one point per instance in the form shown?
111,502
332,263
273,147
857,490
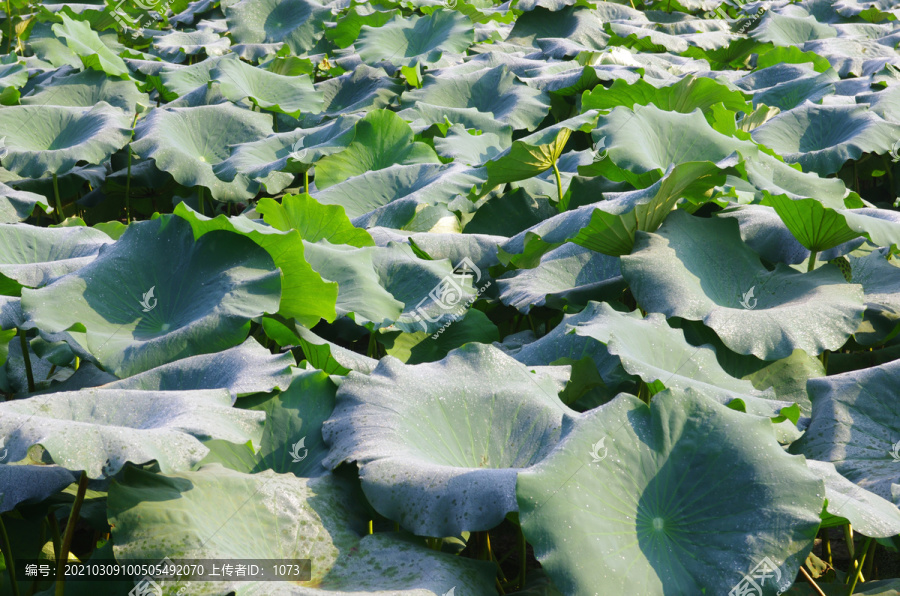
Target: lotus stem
559,192
848,538
200,199
54,534
811,264
128,178
306,181
812,582
70,532
870,561
6,547
27,358
826,541
59,210
859,565
371,528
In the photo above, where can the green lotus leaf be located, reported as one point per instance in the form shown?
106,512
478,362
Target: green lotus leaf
390,285
791,85
848,503
99,430
491,91
652,350
320,353
822,138
242,370
33,257
641,145
510,214
86,89
791,55
266,160
655,513
349,25
158,295
314,221
855,425
292,439
277,93
405,41
58,137
382,139
189,142
439,444
12,76
578,24
87,45
421,346
700,270
31,484
176,44
814,226
765,232
318,522
297,23
768,174
305,296
685,96
568,274
399,188
524,160
849,56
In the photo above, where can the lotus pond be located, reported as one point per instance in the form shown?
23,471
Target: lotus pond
450,297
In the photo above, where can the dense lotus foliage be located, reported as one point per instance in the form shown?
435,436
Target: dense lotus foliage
451,297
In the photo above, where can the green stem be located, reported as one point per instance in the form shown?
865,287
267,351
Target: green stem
200,200
59,210
9,21
559,191
128,179
306,181
859,566
644,392
811,264
54,534
26,356
870,562
372,351
826,540
523,558
848,538
63,557
6,547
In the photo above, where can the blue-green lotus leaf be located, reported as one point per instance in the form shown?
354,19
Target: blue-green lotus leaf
177,44
406,40
99,430
856,426
88,46
275,92
439,444
492,91
58,137
33,257
88,88
31,484
278,516
700,270
19,205
634,502
568,274
189,142
242,370
297,23
158,295
362,90
822,138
